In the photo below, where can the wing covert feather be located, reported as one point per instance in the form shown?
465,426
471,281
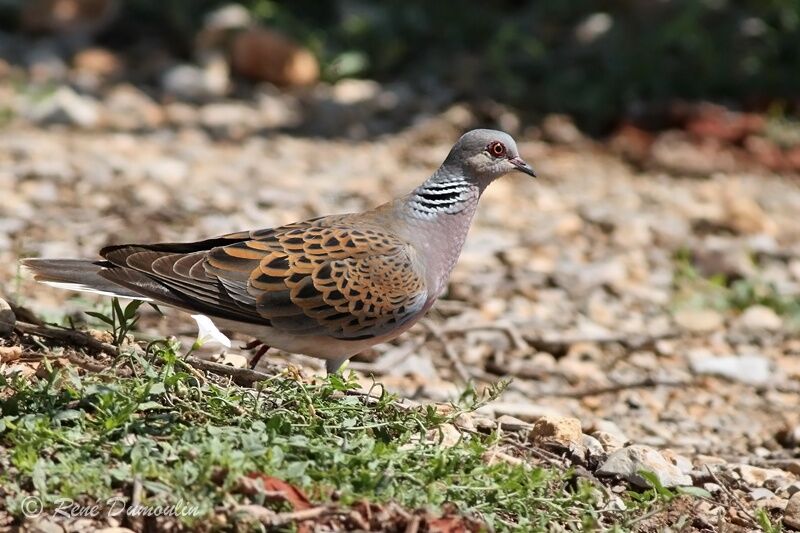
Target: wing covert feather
325,276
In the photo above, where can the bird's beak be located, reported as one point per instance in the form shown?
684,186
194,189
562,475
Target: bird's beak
522,166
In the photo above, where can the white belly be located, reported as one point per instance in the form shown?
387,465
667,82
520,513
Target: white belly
320,346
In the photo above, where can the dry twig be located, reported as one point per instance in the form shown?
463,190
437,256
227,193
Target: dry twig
73,337
448,350
271,519
733,497
508,328
241,376
608,389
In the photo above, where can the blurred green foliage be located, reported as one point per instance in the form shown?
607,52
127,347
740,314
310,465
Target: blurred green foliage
728,294
596,60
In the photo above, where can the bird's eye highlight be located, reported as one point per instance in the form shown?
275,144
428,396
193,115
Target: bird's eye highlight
497,149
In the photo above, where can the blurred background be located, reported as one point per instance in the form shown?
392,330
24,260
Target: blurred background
648,282
603,63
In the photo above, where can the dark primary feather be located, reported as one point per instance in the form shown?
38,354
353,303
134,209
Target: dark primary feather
80,272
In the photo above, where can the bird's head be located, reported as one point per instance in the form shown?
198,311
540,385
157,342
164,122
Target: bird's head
485,155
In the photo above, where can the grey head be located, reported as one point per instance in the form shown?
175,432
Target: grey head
485,155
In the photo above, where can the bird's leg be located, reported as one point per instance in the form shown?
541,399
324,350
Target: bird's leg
262,349
257,357
335,366
253,344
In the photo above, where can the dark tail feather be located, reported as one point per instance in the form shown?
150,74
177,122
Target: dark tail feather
79,275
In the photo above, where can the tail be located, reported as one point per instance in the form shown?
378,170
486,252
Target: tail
78,275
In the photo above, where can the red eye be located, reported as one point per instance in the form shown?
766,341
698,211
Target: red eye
497,149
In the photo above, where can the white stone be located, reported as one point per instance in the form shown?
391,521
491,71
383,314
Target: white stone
628,462
750,369
699,320
759,318
65,106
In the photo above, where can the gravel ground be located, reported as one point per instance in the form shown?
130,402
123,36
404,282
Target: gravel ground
589,286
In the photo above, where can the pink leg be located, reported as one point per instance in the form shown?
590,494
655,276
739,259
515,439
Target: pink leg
258,355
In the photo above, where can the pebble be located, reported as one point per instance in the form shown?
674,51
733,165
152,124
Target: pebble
774,503
607,426
233,359
45,525
791,465
511,423
7,319
65,106
10,353
759,318
701,460
628,462
609,441
352,91
561,429
561,129
750,369
487,425
791,514
528,412
129,109
680,461
227,17
181,114
267,55
755,476
780,484
794,269
446,435
97,61
594,450
231,119
717,256
699,320
190,82
167,170
761,494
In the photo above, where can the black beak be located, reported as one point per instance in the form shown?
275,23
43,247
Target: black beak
522,166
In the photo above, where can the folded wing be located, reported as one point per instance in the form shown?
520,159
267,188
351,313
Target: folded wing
320,277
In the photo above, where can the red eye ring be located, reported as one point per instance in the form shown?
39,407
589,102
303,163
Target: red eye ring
497,149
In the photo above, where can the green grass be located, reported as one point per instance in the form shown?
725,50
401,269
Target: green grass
692,290
189,438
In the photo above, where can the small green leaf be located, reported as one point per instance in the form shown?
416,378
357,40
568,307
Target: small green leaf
652,479
131,308
697,492
100,316
117,308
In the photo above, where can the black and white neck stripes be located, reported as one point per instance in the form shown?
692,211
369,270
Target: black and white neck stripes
443,196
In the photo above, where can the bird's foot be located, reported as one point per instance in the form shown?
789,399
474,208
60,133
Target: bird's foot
259,353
